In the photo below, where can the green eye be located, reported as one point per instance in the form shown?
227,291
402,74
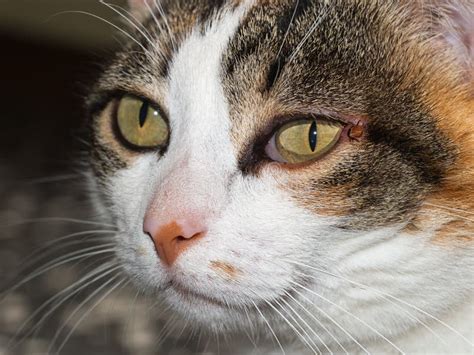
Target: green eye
141,124
304,140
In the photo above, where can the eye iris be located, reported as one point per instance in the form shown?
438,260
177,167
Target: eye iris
313,136
141,124
304,140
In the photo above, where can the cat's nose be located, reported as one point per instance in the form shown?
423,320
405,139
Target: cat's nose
172,238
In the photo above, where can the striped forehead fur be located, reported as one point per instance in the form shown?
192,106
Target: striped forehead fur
353,59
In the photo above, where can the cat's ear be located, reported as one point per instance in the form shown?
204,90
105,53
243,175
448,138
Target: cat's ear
454,19
142,8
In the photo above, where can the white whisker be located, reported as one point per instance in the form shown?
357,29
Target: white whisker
332,320
134,23
269,327
317,320
57,219
300,336
300,326
165,20
34,257
128,35
56,263
64,295
387,295
307,36
448,208
351,315
107,294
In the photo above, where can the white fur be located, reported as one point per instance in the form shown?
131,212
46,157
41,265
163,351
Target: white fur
258,229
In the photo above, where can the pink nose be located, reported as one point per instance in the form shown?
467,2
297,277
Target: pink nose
172,238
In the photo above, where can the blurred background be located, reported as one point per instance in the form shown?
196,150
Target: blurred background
48,59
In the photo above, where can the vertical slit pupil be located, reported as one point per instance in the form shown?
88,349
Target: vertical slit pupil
143,113
313,136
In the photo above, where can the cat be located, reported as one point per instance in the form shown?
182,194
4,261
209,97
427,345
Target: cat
302,171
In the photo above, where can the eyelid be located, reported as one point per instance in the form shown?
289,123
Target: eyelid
280,121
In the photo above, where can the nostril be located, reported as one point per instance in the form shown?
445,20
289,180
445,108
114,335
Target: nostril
180,239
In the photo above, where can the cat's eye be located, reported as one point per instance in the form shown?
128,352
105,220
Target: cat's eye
141,123
303,140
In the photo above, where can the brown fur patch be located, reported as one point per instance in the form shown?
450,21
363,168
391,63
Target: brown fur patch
228,270
458,229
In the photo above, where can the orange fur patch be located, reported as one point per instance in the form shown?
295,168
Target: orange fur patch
228,270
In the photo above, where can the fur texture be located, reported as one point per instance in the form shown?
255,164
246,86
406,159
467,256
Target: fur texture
368,249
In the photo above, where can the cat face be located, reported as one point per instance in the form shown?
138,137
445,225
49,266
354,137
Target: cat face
260,157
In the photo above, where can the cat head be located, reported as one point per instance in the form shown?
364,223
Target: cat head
258,154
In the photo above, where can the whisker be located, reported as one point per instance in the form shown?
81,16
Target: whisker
300,326
290,325
55,264
53,179
34,257
107,294
306,37
351,315
269,327
332,320
153,15
285,38
135,24
128,35
381,293
411,316
449,208
450,214
56,219
165,20
251,335
80,285
165,331
317,320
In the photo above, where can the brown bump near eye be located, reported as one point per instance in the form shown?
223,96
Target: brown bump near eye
356,132
227,269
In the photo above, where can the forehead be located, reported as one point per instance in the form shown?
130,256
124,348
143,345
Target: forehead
283,54
284,58
362,59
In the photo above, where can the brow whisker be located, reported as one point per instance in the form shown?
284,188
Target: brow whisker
165,20
306,37
132,20
128,35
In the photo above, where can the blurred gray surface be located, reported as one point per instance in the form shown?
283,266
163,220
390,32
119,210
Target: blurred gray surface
47,62
54,21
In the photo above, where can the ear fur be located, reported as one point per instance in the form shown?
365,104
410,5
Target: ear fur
141,8
453,20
